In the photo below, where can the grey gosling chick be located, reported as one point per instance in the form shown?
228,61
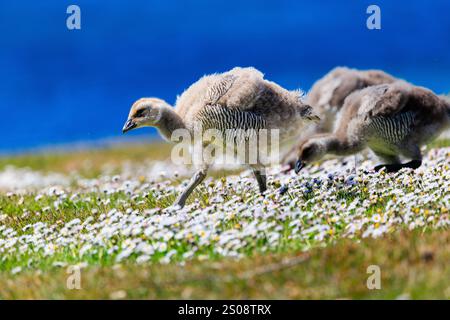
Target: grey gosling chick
238,99
327,96
391,119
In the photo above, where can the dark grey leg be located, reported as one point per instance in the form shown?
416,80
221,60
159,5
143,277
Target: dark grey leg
413,152
198,177
394,165
413,164
356,163
260,175
390,162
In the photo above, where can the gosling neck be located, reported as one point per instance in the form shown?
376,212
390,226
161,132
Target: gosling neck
170,121
340,147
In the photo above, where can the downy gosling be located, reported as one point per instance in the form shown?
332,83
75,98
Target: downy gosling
238,99
393,120
327,96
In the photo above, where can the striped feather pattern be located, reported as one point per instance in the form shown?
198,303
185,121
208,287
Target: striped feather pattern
219,88
222,118
393,129
236,125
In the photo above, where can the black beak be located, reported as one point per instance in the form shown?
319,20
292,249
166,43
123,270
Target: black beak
128,126
299,166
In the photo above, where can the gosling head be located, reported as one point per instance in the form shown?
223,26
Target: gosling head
145,112
310,151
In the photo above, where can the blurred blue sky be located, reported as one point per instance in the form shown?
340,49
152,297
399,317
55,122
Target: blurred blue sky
59,86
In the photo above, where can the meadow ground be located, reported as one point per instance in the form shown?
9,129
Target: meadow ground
107,212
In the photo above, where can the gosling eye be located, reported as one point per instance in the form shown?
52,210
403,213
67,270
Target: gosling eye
140,113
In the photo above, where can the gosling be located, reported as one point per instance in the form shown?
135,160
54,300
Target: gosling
240,99
391,119
327,96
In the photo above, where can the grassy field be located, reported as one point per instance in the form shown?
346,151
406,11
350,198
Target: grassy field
413,265
107,211
90,162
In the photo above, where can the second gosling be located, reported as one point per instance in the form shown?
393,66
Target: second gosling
327,96
393,120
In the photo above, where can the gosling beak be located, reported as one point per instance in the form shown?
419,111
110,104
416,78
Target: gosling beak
298,166
129,125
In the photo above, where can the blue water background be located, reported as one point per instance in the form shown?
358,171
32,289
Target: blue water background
60,86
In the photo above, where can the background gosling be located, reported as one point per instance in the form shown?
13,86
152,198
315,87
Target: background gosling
327,96
237,99
391,119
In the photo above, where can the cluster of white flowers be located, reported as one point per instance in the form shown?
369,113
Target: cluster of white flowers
18,178
228,217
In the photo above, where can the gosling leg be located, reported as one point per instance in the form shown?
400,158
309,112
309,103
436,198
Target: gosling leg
391,162
260,175
197,178
413,164
409,150
413,152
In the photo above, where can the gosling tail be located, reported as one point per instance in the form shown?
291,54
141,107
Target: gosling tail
448,105
446,98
